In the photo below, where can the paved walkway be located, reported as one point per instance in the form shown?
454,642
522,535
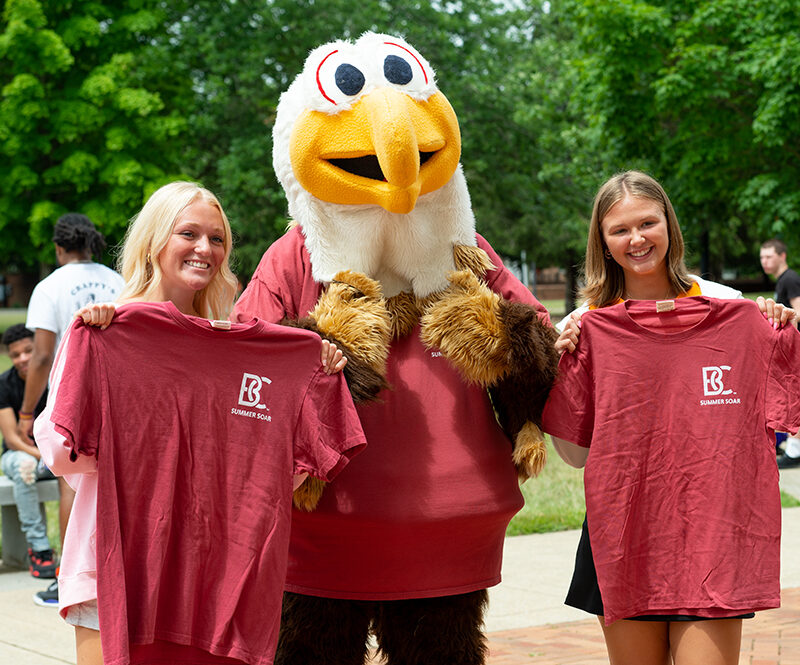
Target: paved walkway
772,638
527,621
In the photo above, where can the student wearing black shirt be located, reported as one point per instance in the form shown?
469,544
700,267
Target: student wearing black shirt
20,460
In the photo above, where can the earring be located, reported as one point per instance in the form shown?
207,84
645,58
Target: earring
148,258
607,254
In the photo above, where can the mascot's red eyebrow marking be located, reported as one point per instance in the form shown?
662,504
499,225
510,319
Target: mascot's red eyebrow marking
424,73
319,83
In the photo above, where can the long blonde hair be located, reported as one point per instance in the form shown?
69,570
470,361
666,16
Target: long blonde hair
148,234
605,279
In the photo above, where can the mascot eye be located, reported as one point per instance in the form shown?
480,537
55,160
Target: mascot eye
339,81
402,66
349,79
397,70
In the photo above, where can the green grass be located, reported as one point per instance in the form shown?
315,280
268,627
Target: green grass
788,501
10,316
753,296
555,308
553,501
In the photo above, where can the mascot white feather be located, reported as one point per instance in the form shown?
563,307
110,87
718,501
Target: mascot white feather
384,259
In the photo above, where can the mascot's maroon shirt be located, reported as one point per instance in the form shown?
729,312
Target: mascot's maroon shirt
424,511
679,409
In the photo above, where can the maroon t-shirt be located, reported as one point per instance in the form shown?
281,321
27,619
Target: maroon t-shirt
423,511
198,432
678,410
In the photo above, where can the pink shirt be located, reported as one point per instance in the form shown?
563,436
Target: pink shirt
423,511
678,411
77,576
197,433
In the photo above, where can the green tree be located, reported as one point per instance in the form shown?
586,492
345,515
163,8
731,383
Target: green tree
84,121
703,94
241,56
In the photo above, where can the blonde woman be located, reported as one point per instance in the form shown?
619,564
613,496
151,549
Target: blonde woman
176,251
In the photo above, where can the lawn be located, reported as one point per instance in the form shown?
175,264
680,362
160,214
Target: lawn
553,501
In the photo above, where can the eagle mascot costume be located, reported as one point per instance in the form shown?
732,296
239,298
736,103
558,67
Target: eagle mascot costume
450,360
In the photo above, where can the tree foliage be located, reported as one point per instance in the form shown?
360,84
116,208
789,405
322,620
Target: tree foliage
83,123
705,96
242,55
101,103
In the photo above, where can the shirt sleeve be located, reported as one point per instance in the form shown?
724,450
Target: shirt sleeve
503,282
42,311
258,301
272,293
569,411
793,287
77,402
783,382
5,397
328,432
55,447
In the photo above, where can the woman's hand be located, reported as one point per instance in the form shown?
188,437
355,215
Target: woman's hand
775,313
568,339
97,314
331,357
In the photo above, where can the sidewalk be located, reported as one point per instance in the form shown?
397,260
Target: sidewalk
527,620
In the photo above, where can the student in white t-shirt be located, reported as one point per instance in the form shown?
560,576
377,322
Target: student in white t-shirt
77,281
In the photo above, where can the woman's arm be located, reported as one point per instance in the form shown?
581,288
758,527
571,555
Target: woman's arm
571,453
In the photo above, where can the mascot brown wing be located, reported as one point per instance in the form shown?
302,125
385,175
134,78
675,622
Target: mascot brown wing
352,314
502,346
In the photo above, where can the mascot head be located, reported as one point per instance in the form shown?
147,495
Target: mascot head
367,150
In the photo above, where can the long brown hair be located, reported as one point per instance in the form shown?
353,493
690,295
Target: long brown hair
605,279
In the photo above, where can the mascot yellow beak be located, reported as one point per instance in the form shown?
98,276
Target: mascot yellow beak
387,149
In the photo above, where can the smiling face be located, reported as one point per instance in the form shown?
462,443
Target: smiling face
20,353
193,254
635,232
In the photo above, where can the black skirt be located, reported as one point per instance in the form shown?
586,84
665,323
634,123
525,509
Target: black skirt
584,591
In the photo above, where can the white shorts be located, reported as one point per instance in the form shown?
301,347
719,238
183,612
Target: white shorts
84,614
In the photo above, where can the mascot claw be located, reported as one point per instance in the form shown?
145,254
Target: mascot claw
307,496
530,452
465,325
353,312
502,346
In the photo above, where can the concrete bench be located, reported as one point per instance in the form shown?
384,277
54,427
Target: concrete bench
15,547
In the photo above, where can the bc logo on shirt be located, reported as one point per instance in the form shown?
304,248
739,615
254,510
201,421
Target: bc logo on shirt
713,386
250,392
250,396
712,380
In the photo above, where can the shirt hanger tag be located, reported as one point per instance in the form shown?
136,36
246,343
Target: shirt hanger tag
221,325
665,305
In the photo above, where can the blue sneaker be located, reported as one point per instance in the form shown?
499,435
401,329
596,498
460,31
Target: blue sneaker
48,597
